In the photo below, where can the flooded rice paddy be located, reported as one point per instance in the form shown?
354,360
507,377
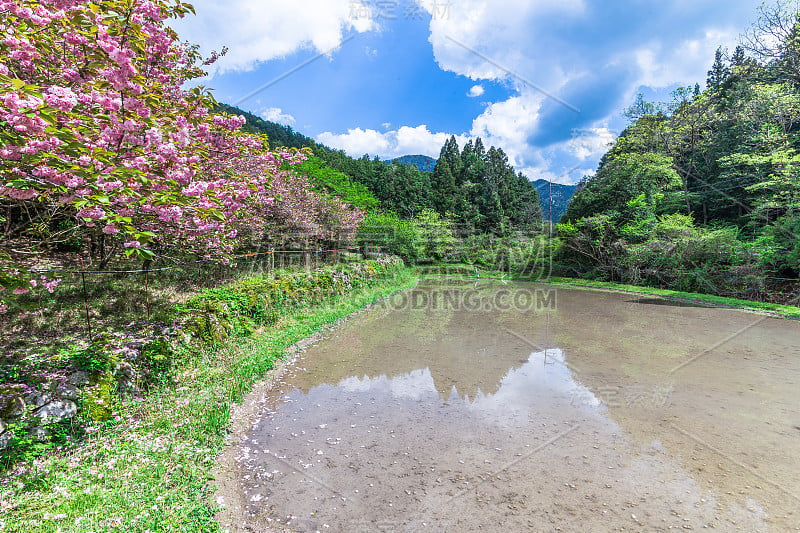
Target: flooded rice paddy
511,407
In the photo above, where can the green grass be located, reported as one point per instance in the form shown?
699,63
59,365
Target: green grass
149,468
788,311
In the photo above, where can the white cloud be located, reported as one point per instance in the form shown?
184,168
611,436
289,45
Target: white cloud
685,63
476,91
357,142
509,124
505,125
594,55
419,140
276,114
591,142
406,140
501,30
260,30
568,177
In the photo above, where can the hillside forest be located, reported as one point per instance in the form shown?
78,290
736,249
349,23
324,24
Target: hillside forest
702,193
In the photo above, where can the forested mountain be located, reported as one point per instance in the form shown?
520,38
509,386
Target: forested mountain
560,196
422,162
703,192
278,134
477,188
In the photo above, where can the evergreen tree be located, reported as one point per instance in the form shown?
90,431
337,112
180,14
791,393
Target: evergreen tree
719,70
444,186
739,58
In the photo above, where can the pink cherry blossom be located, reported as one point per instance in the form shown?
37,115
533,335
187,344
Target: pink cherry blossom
108,132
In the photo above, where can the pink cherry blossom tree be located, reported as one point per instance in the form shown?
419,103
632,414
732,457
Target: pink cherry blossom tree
98,129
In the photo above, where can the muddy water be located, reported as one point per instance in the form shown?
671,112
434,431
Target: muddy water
503,409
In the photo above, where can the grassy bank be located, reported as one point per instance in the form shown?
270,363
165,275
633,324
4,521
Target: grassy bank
470,272
787,311
149,467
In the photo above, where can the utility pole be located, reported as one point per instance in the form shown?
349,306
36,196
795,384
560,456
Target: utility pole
550,216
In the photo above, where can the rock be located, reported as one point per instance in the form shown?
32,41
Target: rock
12,407
78,378
38,399
125,370
12,403
5,438
68,392
56,411
126,377
39,434
131,351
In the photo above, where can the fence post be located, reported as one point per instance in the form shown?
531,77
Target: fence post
86,302
147,293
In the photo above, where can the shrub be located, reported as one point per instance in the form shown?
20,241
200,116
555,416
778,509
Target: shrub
392,235
238,308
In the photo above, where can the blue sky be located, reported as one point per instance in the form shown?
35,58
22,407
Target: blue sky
546,80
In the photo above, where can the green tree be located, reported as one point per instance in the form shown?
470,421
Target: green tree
719,72
436,235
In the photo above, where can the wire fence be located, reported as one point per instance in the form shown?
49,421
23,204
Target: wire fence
732,283
91,298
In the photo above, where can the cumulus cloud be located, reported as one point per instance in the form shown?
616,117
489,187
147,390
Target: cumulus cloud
574,64
509,123
591,142
403,141
357,142
256,31
276,114
500,30
476,91
569,176
504,125
684,63
592,55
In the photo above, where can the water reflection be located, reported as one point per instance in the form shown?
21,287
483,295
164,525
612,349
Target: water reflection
417,385
453,400
544,381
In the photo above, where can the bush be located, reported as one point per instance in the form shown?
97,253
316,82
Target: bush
780,251
238,308
394,236
667,252
675,226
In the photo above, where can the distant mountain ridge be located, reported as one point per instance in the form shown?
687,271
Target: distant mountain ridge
562,194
